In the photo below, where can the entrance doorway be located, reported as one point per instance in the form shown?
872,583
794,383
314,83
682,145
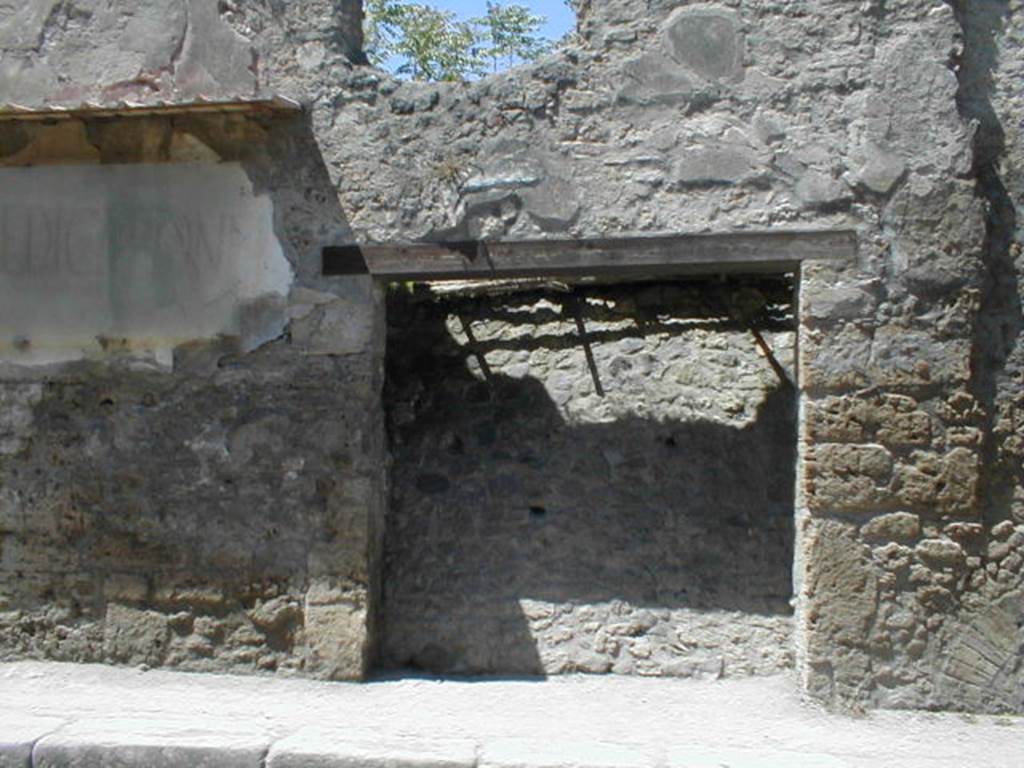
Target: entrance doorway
591,477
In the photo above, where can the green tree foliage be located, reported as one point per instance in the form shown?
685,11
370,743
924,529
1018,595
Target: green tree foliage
510,34
426,43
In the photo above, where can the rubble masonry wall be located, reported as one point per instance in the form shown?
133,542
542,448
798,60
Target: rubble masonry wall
899,119
591,480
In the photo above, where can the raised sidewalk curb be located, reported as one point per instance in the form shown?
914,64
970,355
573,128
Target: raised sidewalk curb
84,716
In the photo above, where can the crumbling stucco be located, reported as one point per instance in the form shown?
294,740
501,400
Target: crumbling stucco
139,256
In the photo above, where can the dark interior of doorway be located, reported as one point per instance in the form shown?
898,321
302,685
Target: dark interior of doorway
590,477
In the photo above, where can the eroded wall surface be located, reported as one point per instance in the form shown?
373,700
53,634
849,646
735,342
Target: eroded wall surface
593,481
889,118
190,443
901,120
983,643
168,50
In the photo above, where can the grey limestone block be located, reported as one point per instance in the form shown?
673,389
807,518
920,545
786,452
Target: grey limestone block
705,757
567,753
320,747
119,743
18,734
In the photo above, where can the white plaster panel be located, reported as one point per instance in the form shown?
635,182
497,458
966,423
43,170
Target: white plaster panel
136,256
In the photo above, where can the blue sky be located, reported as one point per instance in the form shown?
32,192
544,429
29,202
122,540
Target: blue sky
560,18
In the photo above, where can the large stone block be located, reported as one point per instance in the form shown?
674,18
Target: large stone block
169,743
897,526
329,324
891,420
838,604
707,41
855,355
716,164
336,632
214,57
945,484
654,78
333,747
133,636
18,734
847,477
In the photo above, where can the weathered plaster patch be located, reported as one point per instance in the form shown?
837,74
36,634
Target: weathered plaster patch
141,258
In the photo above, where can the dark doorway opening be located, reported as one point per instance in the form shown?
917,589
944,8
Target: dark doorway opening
591,477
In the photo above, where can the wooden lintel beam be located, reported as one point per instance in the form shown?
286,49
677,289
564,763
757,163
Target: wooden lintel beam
751,251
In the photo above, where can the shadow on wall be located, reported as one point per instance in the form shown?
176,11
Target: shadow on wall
623,504
996,361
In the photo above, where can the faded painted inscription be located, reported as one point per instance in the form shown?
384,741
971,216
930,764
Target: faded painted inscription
42,241
152,254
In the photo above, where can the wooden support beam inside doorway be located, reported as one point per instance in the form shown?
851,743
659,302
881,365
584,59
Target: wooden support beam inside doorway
731,252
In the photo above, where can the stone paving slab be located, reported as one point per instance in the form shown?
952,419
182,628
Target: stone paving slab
86,716
165,742
19,733
564,753
319,747
697,756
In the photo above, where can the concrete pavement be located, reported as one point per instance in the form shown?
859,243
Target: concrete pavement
86,716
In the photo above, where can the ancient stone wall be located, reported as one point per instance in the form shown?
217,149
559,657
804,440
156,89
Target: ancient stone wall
70,52
982,647
912,563
898,119
712,116
811,112
191,445
591,480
